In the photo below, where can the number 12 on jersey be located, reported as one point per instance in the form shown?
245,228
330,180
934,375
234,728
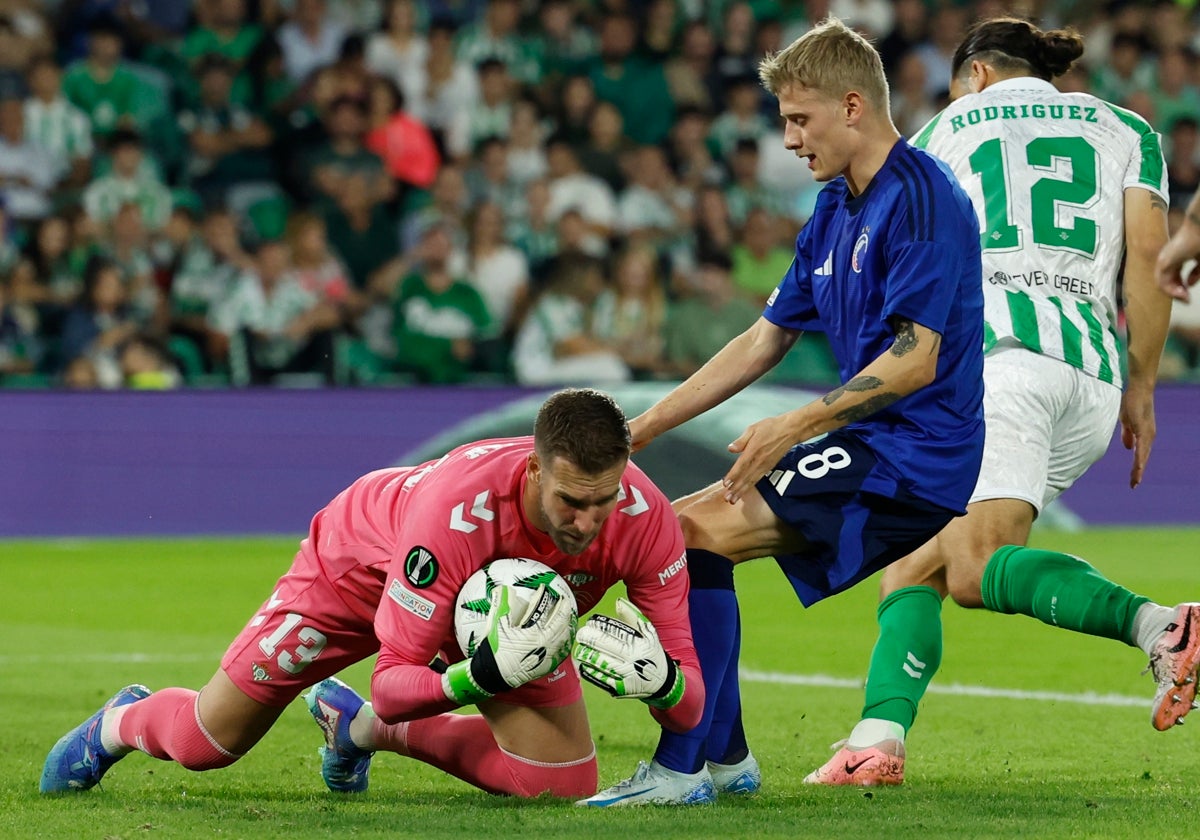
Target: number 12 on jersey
1047,195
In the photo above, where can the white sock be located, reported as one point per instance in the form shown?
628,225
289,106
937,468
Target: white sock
362,728
1150,623
871,731
110,723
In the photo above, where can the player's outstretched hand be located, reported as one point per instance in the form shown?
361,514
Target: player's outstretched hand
624,657
519,647
759,449
1138,428
1168,271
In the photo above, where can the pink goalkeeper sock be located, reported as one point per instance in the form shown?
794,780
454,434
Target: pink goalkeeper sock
166,725
463,746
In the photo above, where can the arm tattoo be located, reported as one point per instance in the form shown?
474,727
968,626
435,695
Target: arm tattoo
858,383
867,407
906,337
1157,203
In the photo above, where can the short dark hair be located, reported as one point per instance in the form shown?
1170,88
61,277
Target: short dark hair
583,426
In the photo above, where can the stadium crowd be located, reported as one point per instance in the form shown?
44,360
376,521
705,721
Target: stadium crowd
209,192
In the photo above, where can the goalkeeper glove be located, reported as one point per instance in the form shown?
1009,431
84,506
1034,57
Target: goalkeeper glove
516,649
624,657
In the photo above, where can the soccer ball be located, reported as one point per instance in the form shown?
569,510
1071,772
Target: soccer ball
474,600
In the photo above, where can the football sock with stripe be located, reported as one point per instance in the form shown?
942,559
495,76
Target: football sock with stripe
907,654
1060,590
713,608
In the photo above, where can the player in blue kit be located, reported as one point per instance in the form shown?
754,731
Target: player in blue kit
888,267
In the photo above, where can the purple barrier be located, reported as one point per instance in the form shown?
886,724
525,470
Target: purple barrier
1170,492
204,462
244,462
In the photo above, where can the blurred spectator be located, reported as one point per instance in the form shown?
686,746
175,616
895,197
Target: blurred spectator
494,36
709,298
690,152
49,254
909,29
206,268
562,44
128,182
28,172
448,205
228,141
1126,70
100,322
653,210
348,77
224,32
713,230
104,87
574,114
573,188
759,260
658,30
945,31
1175,95
363,234
128,247
454,13
56,126
638,88
746,192
497,270
735,58
343,155
310,39
554,345
741,119
444,91
400,51
911,105
526,152
488,179
438,318
24,37
402,141
691,75
314,265
146,365
491,116
631,315
607,147
20,343
1183,169
272,324
534,232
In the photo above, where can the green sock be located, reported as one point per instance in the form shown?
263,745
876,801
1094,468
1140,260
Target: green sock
1061,590
906,656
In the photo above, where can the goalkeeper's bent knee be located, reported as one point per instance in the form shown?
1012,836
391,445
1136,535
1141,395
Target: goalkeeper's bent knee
570,780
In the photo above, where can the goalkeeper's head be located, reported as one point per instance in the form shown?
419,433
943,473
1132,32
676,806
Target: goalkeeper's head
580,449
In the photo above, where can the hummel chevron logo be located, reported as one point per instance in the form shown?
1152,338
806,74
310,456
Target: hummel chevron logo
640,505
827,268
272,602
479,510
916,669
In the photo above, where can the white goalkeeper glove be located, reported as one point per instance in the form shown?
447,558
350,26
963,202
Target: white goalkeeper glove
516,649
624,657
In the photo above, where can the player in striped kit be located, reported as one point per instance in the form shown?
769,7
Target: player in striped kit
1063,184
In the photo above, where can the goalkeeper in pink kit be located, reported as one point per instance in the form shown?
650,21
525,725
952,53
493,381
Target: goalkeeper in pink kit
379,573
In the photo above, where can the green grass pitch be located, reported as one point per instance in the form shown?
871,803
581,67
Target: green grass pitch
81,618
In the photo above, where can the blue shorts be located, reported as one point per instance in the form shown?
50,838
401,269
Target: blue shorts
851,533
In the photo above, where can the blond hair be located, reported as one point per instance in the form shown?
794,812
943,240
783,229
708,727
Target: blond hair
830,58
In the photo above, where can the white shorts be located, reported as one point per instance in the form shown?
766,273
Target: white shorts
1047,422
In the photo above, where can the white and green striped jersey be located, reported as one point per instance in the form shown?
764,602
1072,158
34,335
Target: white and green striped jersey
59,128
1047,172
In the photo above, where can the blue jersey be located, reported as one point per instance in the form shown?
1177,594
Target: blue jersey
908,246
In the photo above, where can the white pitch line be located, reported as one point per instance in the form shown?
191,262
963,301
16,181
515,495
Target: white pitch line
1087,698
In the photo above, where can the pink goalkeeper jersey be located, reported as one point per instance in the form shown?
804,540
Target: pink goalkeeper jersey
422,531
